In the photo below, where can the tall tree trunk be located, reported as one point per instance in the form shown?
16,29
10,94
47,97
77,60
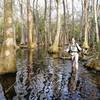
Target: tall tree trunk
37,24
45,23
35,29
82,22
22,23
8,59
14,27
73,34
50,40
55,47
64,34
30,26
85,43
96,22
67,21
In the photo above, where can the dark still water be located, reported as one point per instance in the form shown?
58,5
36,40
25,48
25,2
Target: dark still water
40,76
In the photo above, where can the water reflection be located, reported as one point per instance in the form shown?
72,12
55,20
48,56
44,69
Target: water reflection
2,97
30,76
22,81
73,80
42,77
8,62
7,82
48,84
42,83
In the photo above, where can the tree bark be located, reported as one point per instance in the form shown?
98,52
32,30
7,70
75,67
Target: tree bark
96,22
37,24
45,24
22,23
67,21
55,47
8,53
85,43
50,40
30,26
73,34
82,22
64,34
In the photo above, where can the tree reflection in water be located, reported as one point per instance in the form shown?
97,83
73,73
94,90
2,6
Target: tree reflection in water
73,80
43,77
21,86
42,84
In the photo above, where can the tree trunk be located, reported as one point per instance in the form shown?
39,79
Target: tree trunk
30,26
67,21
36,14
73,34
35,29
82,22
8,59
64,34
55,47
22,23
96,22
45,23
50,40
85,43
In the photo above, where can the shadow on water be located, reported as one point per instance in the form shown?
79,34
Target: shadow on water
40,76
7,82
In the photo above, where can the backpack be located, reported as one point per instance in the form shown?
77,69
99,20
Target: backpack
74,47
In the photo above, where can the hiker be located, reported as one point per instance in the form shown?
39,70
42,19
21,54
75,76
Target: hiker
74,49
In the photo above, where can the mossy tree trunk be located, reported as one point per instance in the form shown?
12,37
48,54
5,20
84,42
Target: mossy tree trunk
8,52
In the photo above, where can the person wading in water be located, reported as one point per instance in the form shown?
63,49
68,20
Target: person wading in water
74,49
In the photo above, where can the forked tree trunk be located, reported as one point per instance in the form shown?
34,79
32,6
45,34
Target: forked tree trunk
8,52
